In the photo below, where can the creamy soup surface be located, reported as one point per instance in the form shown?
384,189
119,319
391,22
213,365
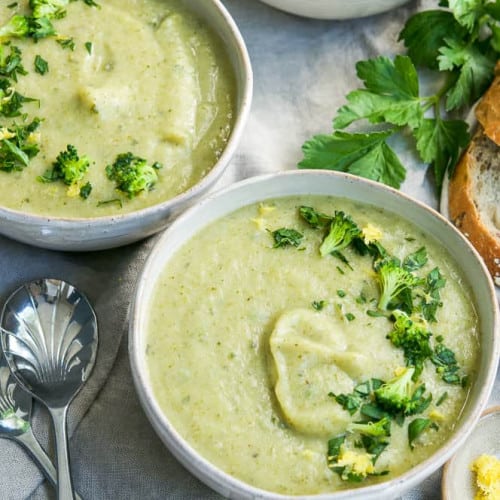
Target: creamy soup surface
144,76
246,341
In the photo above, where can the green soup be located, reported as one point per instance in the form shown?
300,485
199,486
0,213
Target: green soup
143,76
249,342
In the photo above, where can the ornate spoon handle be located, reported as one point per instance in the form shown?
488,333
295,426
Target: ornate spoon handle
64,483
31,444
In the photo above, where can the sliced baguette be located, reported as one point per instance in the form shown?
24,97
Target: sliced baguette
474,189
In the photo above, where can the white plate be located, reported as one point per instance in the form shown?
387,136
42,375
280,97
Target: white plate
458,479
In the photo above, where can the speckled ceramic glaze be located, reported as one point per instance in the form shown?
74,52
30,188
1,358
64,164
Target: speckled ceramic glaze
313,182
335,9
113,231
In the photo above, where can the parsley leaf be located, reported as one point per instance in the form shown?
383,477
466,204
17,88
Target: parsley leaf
18,146
11,101
460,44
474,66
367,155
439,142
391,94
424,34
11,64
416,428
66,43
85,190
284,237
41,65
467,12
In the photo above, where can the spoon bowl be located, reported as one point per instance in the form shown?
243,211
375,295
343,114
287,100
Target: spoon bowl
49,339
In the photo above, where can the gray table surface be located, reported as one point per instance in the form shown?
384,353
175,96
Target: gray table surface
303,69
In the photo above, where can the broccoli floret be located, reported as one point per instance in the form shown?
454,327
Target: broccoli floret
50,9
16,27
68,167
351,465
342,231
398,396
394,281
132,174
374,435
379,429
413,338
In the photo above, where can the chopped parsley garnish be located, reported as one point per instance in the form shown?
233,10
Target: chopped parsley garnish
66,43
319,304
18,145
41,65
416,428
286,237
85,190
11,64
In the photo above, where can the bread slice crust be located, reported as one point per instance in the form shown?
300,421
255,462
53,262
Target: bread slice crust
481,160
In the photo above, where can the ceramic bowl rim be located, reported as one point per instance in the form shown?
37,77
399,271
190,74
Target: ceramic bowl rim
222,482
334,9
243,105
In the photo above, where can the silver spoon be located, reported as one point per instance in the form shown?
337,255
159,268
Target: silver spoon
49,339
15,418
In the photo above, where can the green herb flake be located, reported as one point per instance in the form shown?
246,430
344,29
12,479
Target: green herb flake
286,237
375,314
11,64
88,46
442,399
66,43
110,202
350,317
18,146
85,190
341,293
416,428
319,304
41,65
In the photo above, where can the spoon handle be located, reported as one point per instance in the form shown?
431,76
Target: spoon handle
29,441
64,483
31,444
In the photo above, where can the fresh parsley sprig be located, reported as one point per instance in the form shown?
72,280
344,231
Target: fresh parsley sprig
459,44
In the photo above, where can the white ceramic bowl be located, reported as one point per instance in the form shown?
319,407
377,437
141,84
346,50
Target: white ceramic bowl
107,232
335,9
297,182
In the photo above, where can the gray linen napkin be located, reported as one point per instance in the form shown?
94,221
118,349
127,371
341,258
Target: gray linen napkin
108,279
